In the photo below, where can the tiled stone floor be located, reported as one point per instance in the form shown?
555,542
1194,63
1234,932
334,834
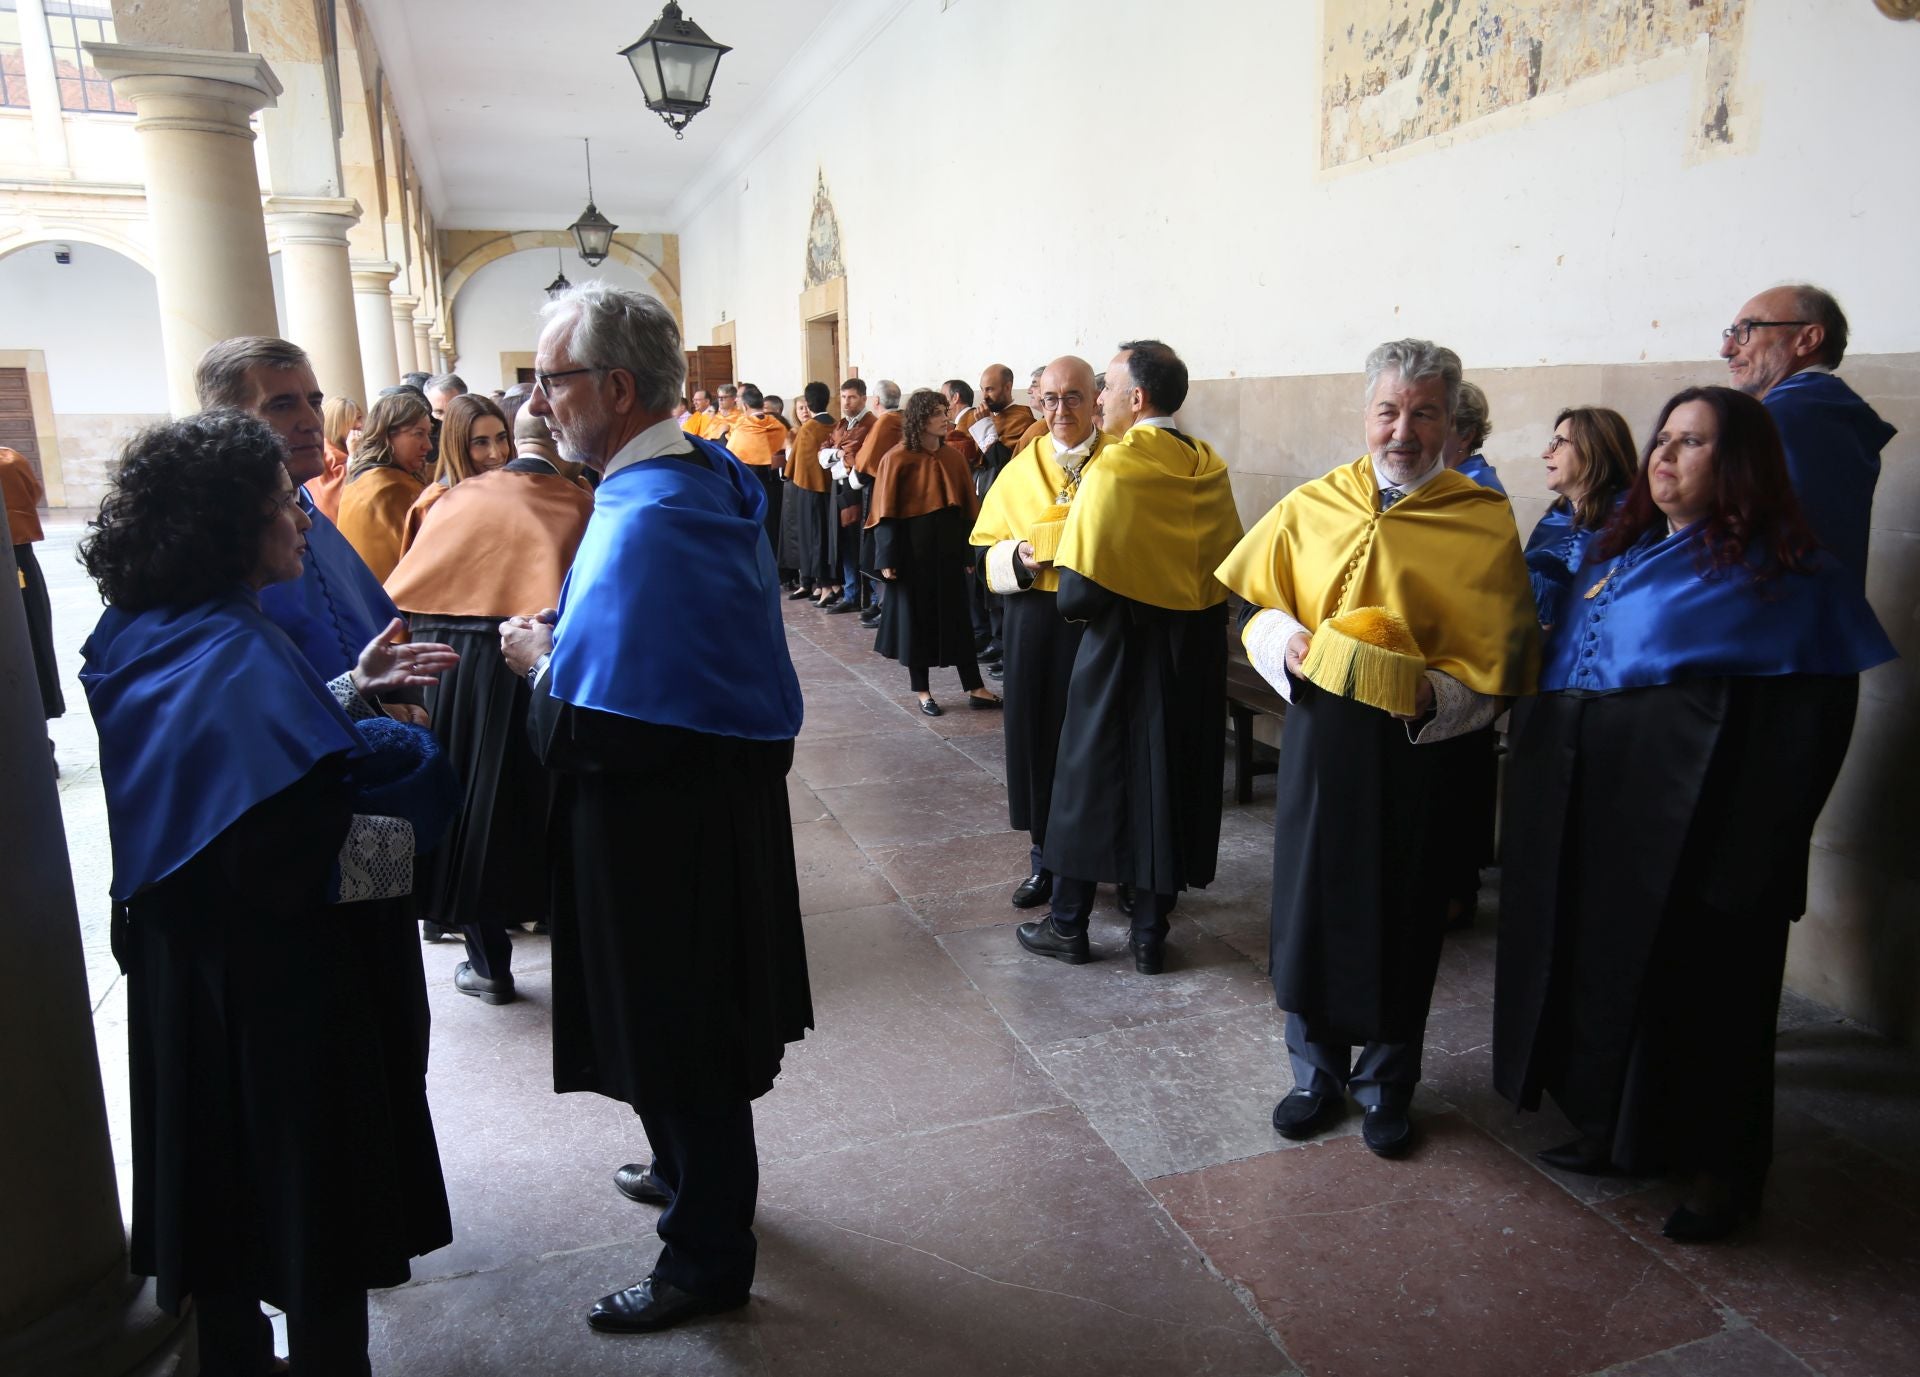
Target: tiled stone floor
984,1162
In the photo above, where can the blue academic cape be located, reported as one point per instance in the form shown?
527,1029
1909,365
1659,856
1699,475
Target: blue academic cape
1650,617
1480,471
336,605
202,712
1833,441
1555,553
671,612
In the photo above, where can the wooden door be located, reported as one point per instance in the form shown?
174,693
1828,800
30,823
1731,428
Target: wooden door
524,375
708,366
17,430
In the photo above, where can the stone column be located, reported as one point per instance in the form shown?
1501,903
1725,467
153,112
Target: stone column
43,87
321,315
422,346
373,308
67,1302
403,348
203,194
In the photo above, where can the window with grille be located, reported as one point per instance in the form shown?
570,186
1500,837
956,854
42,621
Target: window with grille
69,24
13,74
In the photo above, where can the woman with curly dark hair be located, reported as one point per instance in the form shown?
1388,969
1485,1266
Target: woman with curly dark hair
282,1145
1696,700
923,510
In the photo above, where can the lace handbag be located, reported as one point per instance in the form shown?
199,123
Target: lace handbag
376,861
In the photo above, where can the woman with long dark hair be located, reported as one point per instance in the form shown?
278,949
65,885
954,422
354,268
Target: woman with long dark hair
1696,701
282,1148
1590,465
384,478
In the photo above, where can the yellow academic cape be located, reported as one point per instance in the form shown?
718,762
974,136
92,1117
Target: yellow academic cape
1153,520
1446,557
1028,491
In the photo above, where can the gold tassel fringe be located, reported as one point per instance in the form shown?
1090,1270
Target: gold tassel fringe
1370,656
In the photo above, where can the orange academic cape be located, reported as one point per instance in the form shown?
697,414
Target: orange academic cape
910,483
757,440
498,544
23,494
324,490
373,515
803,456
887,430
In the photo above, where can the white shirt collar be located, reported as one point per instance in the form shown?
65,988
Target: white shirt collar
1084,447
1164,422
662,437
852,418
1380,477
1813,368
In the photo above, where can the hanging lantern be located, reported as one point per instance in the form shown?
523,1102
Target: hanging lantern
675,62
593,231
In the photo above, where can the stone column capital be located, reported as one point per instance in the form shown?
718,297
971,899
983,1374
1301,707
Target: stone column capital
403,305
188,89
321,220
372,275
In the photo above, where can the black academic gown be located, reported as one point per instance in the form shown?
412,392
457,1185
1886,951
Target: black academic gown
1359,883
33,590
282,1147
1654,852
1040,649
679,968
924,619
1137,781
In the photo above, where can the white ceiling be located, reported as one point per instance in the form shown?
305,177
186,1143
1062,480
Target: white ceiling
496,96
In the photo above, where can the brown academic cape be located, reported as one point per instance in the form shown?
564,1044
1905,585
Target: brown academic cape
803,456
913,483
498,544
1030,434
887,430
851,439
373,514
23,494
417,513
324,491
923,507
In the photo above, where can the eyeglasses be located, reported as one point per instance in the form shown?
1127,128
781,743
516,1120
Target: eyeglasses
545,381
1554,444
1742,331
1053,401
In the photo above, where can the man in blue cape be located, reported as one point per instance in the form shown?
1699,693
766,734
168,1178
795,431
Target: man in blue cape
665,703
1782,349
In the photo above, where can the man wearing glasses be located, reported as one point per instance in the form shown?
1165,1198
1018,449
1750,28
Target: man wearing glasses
1020,522
1782,348
666,705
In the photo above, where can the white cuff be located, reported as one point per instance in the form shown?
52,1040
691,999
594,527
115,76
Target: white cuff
827,457
1457,710
1266,636
357,709
984,434
1003,568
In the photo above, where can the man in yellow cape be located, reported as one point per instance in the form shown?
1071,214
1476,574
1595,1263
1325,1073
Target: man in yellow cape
1359,897
1136,782
1020,522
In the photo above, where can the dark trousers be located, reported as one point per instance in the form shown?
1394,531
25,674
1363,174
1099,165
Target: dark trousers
704,1154
236,1339
489,950
917,675
1073,902
1385,1072
1034,867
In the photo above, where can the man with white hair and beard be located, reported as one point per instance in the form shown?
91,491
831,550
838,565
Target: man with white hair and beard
679,968
1359,887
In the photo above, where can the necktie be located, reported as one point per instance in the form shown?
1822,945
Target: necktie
1389,496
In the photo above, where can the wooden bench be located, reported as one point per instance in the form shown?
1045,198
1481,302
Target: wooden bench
1248,694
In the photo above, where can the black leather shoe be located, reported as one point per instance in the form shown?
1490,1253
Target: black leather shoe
870,617
1387,1131
433,932
929,708
996,671
639,1183
482,989
1582,1155
1686,1225
1303,1114
799,593
1126,896
1033,891
831,611
990,655
974,700
654,1304
1149,958
1043,939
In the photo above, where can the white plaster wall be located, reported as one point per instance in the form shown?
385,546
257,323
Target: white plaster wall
498,310
1066,175
98,321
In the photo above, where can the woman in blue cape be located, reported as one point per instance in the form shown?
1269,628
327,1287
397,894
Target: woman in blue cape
1590,465
1695,706
282,1145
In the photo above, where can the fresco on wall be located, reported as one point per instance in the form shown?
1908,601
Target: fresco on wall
823,238
1394,72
